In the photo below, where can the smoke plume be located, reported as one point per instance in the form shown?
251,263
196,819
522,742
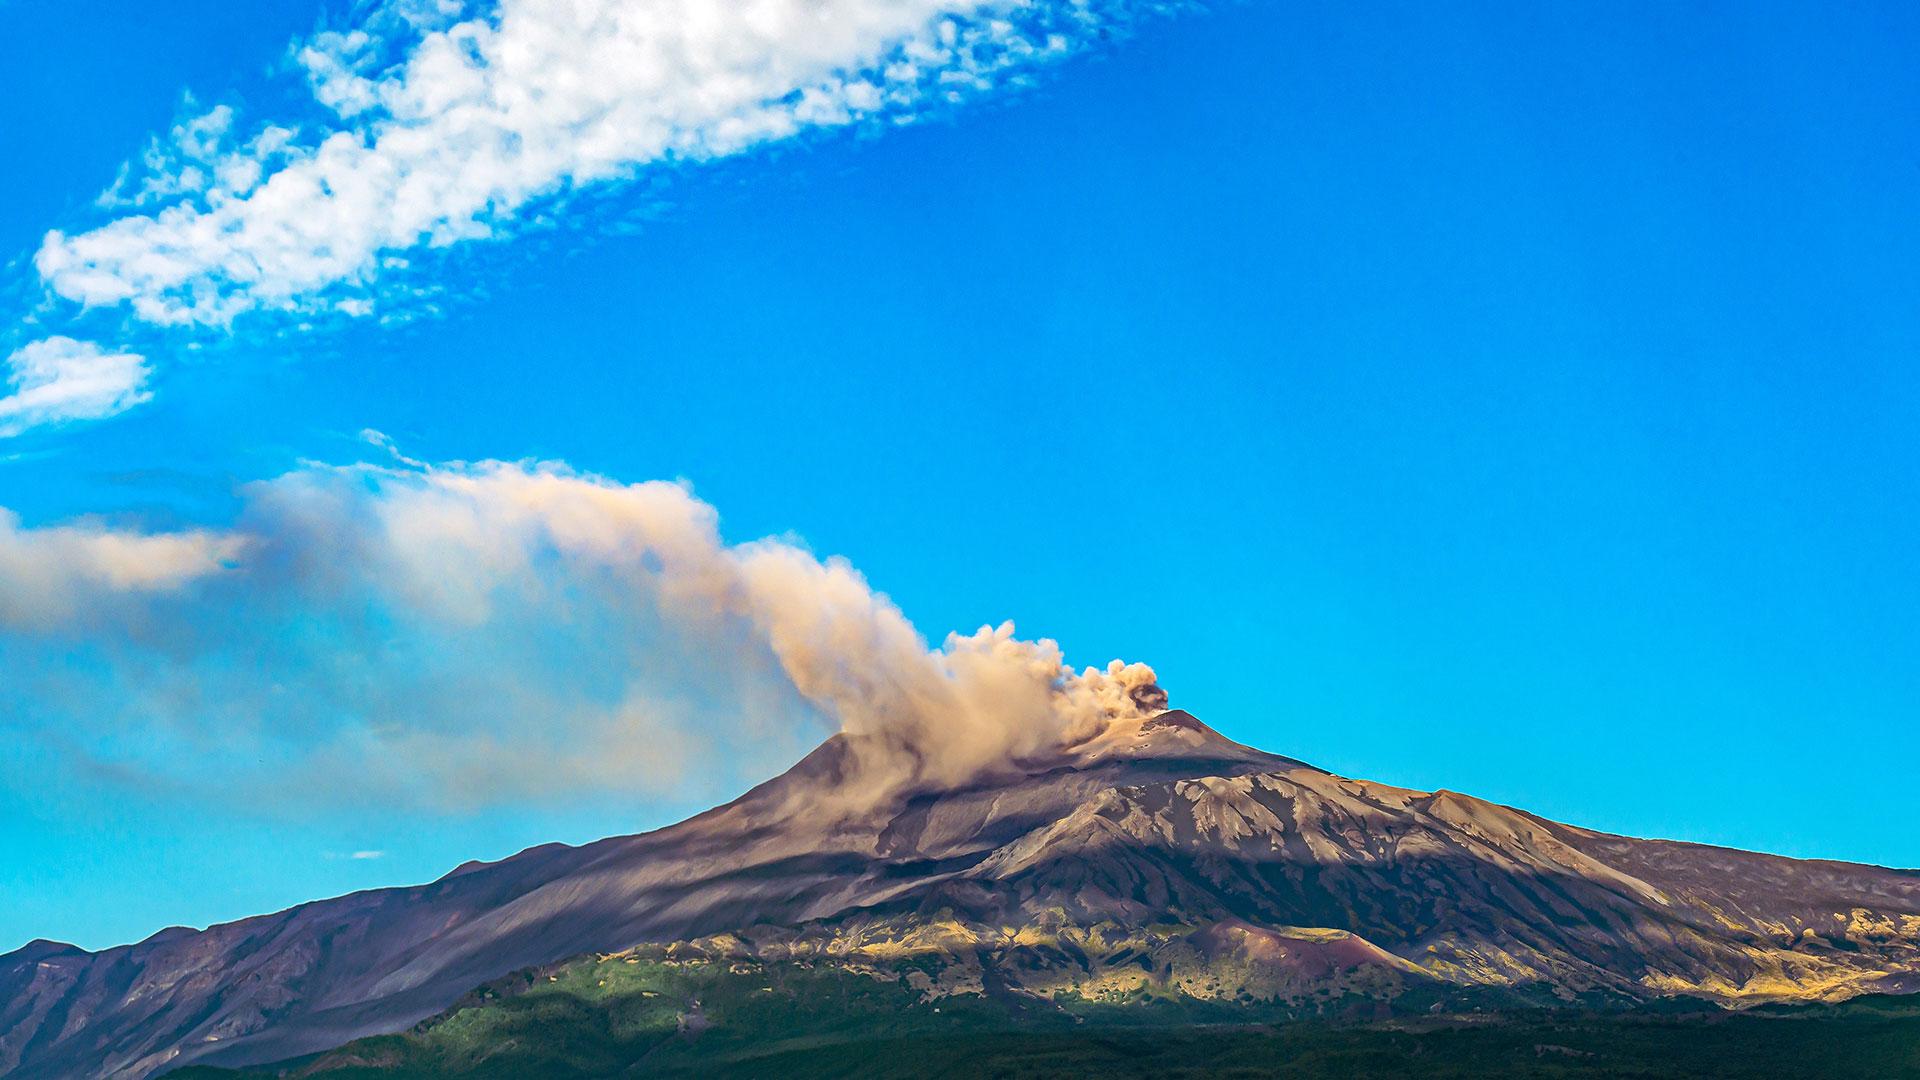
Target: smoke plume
465,634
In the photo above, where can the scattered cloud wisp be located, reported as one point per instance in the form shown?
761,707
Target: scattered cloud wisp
58,379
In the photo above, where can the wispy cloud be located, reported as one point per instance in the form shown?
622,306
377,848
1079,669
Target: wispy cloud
58,379
190,160
444,122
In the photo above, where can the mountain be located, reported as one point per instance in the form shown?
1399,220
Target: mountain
1158,854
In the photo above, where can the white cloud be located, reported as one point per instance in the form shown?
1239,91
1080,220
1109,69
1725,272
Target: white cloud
460,635
186,162
57,379
444,124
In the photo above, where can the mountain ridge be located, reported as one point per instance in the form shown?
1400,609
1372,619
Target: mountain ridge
1264,861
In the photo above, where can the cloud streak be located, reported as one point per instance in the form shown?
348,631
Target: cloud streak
57,379
445,123
455,636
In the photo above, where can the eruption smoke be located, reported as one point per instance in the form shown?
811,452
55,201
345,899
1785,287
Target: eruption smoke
462,633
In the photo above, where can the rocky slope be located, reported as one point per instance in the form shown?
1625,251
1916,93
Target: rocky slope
1205,867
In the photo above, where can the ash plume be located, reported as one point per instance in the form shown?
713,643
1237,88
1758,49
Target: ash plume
464,634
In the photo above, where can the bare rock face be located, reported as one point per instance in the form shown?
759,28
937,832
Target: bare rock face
1207,865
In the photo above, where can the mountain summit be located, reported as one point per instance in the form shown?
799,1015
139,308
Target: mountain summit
1156,851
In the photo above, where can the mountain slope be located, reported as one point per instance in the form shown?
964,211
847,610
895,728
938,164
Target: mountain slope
681,1011
1195,853
1460,890
796,848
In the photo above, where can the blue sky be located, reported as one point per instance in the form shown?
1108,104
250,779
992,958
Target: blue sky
1517,401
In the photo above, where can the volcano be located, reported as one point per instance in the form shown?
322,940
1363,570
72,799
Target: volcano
1157,853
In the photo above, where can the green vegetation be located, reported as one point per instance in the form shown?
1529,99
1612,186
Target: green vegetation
687,1014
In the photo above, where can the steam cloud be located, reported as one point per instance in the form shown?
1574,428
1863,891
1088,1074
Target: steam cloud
464,634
